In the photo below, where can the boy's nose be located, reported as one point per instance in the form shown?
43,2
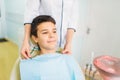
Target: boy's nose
51,34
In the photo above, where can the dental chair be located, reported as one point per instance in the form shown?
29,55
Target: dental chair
108,67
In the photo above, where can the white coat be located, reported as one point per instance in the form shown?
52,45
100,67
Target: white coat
65,12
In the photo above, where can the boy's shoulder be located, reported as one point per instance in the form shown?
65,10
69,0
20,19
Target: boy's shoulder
69,57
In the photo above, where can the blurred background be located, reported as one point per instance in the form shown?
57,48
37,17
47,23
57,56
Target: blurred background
98,32
11,36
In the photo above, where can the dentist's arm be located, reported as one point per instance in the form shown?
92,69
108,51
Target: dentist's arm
31,11
25,50
73,25
69,36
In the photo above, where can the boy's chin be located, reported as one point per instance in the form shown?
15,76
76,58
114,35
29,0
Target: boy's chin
52,47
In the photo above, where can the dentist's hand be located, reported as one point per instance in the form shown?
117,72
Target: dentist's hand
25,50
67,49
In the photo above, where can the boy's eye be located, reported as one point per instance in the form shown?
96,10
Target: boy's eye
44,32
54,31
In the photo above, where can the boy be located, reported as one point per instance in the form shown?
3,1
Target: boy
48,65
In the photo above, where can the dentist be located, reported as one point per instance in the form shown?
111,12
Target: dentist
65,13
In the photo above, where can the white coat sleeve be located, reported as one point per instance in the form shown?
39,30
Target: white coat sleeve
31,10
74,16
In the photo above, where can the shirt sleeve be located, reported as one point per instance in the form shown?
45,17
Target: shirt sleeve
74,16
31,10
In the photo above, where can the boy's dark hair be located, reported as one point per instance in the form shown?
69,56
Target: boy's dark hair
38,20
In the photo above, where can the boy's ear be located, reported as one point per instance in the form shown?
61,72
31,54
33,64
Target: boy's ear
34,39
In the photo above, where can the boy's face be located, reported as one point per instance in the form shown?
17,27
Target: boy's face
46,36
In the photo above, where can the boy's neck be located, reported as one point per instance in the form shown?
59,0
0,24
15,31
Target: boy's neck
48,51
